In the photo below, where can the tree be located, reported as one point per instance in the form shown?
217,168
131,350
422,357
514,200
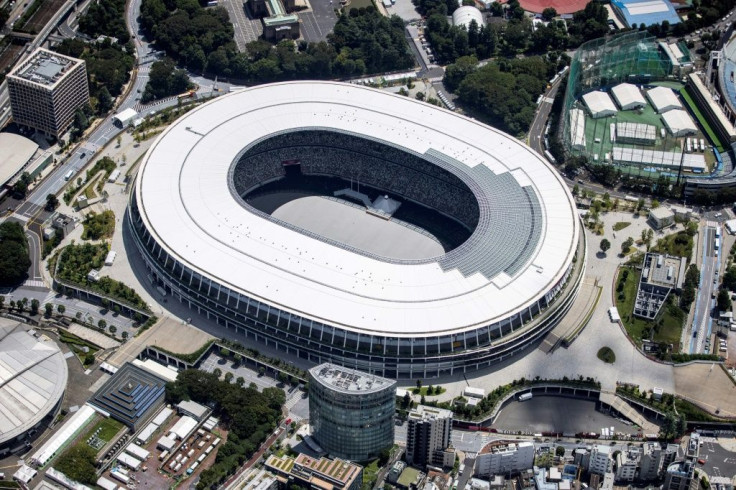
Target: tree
261,371
89,359
124,335
21,187
14,257
119,141
724,300
52,202
102,324
605,245
575,190
229,377
559,450
283,377
104,101
11,305
549,13
217,372
626,245
61,309
240,381
2,302
655,204
419,384
113,329
640,204
406,402
34,306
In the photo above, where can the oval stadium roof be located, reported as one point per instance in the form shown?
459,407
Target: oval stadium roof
17,151
33,376
523,246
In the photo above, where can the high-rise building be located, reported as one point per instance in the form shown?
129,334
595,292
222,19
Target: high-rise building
351,412
428,434
680,476
500,458
671,453
46,90
651,461
600,460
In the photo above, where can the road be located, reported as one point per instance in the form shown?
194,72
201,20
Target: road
704,302
537,129
106,130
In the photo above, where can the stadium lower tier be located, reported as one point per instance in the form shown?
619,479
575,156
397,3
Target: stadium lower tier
393,357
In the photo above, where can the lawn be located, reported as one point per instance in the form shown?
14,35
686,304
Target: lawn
437,390
666,327
77,345
89,191
621,225
679,244
701,119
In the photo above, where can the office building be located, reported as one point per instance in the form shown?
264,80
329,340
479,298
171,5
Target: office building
316,473
671,453
680,476
600,460
46,90
501,458
428,435
651,461
351,412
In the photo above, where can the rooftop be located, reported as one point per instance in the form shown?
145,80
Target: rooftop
646,12
348,380
503,447
45,67
509,263
129,394
33,377
430,413
17,151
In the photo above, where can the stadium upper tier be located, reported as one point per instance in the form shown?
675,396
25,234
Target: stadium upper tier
210,248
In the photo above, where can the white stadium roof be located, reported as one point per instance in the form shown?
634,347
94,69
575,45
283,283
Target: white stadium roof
599,104
663,99
197,219
628,96
33,375
679,122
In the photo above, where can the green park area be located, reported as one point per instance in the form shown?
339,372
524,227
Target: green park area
665,328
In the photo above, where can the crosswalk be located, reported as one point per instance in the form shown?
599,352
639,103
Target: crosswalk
139,107
31,283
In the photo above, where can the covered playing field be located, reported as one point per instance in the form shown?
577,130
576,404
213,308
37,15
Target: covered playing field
354,227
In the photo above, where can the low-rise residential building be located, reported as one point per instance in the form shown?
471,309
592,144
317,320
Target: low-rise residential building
317,474
502,458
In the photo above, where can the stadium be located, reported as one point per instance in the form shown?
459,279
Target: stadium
342,224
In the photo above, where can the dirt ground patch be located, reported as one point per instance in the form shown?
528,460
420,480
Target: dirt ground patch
708,386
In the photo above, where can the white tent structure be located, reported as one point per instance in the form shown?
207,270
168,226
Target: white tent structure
679,123
463,16
663,99
628,96
577,129
599,104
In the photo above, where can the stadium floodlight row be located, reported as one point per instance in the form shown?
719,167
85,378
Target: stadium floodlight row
480,303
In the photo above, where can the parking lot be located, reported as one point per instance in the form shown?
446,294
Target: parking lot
319,21
718,460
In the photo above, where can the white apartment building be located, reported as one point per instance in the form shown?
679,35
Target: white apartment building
501,458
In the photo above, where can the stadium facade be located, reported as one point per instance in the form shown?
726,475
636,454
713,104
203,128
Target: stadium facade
485,300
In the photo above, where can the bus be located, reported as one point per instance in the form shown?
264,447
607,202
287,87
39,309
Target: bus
718,243
549,156
69,175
